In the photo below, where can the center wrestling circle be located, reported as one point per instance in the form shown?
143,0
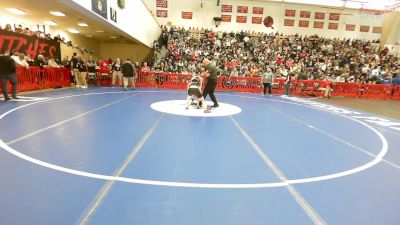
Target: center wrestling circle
177,107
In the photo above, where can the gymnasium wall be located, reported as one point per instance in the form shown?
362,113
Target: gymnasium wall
136,53
134,20
202,16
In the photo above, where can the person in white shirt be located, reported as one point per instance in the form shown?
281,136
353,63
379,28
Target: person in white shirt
20,60
116,67
52,63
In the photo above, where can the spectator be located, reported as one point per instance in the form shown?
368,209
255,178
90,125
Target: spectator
266,80
20,60
52,63
116,68
128,71
81,81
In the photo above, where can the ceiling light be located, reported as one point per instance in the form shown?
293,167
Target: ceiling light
50,23
99,31
74,31
57,13
83,24
113,37
16,11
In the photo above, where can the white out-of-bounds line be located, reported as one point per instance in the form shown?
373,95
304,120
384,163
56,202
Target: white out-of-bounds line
308,209
102,194
337,138
66,121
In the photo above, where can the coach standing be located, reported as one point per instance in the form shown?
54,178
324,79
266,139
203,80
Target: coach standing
211,81
128,70
7,73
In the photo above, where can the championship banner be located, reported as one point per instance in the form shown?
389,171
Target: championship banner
288,23
319,16
350,27
162,3
226,18
364,28
242,9
187,15
162,13
303,23
334,16
318,24
290,13
226,8
305,14
333,26
241,19
29,45
256,20
258,10
377,30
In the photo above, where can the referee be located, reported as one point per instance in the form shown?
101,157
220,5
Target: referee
211,81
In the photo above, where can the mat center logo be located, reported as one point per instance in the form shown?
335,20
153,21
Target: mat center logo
178,107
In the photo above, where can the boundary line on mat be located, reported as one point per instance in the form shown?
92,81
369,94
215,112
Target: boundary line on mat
102,194
370,164
308,209
68,120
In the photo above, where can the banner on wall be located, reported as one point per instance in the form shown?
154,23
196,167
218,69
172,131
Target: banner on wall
305,14
288,23
303,23
226,8
187,15
350,27
333,26
242,9
162,3
100,7
162,13
258,10
241,19
318,24
256,20
29,45
290,13
319,16
226,18
334,16
364,28
377,30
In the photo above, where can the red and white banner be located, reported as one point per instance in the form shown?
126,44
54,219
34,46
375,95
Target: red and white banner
350,27
290,13
319,16
162,3
333,26
364,28
241,19
334,16
305,14
288,23
304,23
226,8
318,24
226,18
258,10
242,9
256,20
162,13
377,30
187,15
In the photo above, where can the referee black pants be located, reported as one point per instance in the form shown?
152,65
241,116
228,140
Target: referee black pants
209,89
13,79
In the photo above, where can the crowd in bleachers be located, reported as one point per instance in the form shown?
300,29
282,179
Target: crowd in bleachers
249,54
